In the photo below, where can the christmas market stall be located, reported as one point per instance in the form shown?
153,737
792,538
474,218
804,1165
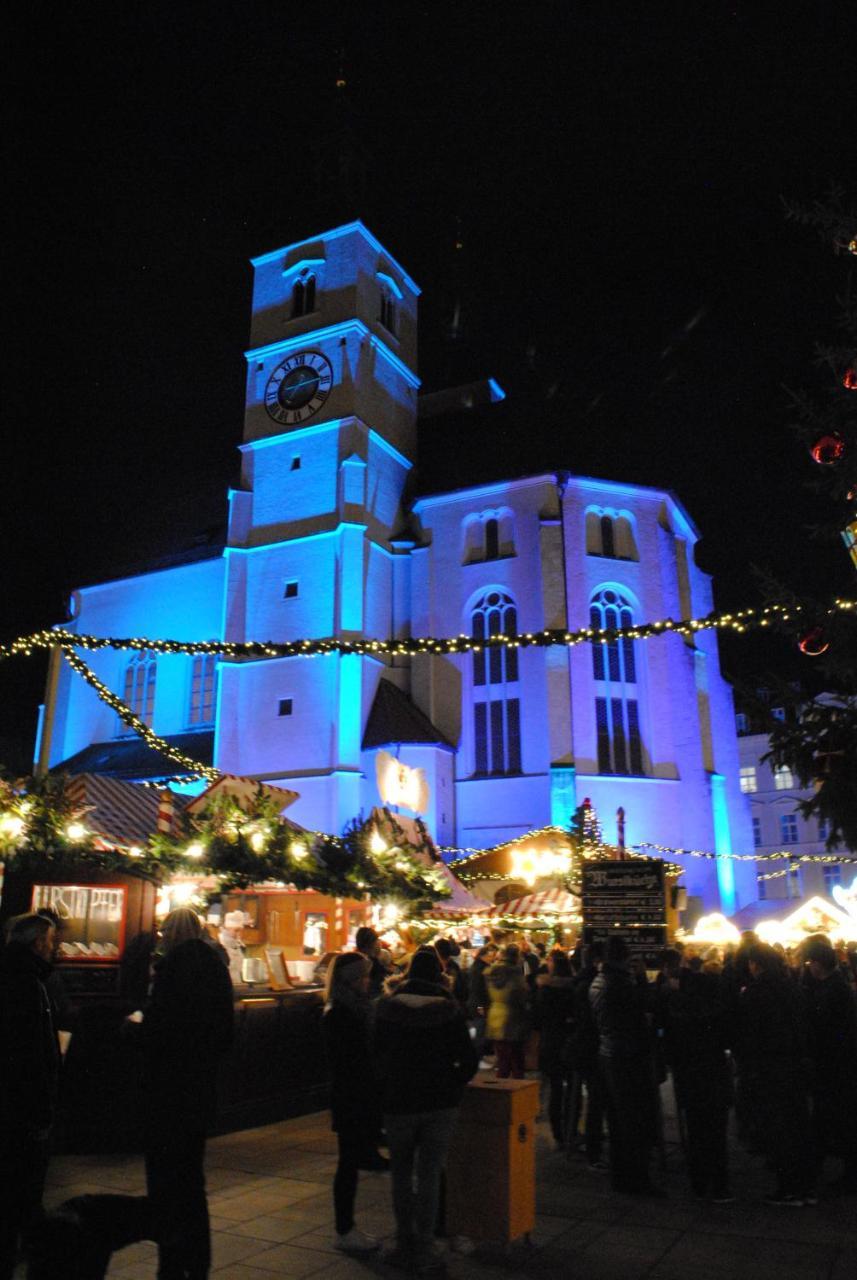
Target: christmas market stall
110,857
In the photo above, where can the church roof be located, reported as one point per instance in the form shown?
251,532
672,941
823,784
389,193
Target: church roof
394,718
130,758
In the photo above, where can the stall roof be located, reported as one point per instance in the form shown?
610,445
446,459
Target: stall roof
121,812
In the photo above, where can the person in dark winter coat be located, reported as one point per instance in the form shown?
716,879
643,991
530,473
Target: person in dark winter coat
774,1067
832,1051
424,1058
508,1022
618,1004
696,1038
356,1114
587,1070
187,1027
555,1022
447,951
29,1067
367,942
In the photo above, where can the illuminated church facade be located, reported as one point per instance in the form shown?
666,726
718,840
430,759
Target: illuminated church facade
324,540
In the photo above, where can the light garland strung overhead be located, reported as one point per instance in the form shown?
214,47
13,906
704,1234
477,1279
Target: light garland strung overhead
782,855
741,621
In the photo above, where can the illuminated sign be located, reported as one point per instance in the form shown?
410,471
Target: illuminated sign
401,785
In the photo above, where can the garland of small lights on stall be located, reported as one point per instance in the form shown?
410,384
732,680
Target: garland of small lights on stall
42,829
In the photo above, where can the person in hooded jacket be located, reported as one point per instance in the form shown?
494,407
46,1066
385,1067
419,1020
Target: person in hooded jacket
555,1021
187,1027
423,1058
346,1028
508,1021
29,1067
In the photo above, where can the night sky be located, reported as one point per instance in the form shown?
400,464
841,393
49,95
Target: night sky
613,173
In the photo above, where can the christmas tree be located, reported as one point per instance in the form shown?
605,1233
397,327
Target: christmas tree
818,738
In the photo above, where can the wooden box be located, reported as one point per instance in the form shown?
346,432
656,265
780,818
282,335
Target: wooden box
494,1143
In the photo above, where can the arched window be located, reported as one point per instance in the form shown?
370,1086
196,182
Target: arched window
607,536
138,690
496,703
614,669
303,296
610,534
492,539
203,672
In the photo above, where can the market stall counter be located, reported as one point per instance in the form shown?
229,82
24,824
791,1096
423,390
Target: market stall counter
274,1070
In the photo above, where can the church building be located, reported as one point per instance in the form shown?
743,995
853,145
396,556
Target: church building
326,538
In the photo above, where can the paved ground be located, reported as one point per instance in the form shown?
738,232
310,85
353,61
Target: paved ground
270,1201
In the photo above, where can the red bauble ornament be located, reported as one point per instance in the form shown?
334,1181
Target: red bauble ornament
849,380
814,643
828,449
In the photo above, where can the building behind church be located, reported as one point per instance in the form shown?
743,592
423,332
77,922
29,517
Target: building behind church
325,539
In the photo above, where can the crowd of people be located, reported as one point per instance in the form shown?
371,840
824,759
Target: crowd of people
768,1034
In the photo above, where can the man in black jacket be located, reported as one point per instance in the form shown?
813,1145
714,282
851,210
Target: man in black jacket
29,1066
424,1058
625,1057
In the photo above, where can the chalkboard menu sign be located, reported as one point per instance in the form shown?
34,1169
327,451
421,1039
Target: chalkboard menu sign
626,899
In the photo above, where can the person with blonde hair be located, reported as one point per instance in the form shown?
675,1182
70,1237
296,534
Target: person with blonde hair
354,1105
187,1027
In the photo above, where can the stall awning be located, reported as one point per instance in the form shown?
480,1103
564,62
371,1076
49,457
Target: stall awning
549,902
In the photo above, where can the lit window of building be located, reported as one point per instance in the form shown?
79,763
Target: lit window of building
783,778
748,778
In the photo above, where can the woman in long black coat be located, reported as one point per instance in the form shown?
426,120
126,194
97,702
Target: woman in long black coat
187,1026
353,1095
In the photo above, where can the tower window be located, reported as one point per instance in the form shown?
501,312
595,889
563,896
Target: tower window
203,673
284,707
296,463
303,296
741,723
607,536
388,310
290,590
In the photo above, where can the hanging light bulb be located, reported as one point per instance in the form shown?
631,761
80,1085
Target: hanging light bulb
297,850
257,841
11,825
194,850
75,831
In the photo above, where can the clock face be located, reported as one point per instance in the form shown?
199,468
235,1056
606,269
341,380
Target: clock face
298,387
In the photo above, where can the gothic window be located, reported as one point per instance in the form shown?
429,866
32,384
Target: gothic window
388,310
607,536
496,705
614,668
203,672
303,296
138,690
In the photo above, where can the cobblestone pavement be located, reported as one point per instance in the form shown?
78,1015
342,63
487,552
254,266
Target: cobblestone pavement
271,1214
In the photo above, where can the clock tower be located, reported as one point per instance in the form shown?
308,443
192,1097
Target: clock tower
329,439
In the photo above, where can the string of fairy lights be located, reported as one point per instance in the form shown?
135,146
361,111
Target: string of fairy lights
68,642
781,855
741,621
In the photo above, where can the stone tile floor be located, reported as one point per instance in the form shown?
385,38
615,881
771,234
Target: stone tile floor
271,1214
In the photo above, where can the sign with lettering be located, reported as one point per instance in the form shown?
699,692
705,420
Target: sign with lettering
626,898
